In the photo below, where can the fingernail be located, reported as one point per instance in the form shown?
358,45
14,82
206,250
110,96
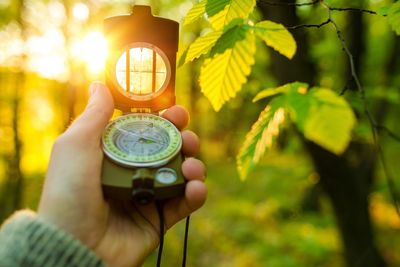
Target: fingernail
93,88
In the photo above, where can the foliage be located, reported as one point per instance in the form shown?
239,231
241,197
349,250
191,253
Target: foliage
260,222
393,15
320,114
228,69
230,50
231,46
276,36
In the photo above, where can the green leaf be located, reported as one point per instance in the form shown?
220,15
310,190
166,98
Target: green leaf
222,12
202,45
394,17
223,75
181,57
276,36
383,11
195,13
261,137
299,105
266,93
324,118
331,121
230,37
214,7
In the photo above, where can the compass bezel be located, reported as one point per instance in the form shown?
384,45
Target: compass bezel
132,160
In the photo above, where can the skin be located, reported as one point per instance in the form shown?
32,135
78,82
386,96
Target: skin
121,235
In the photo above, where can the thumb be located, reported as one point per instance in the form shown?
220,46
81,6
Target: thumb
97,113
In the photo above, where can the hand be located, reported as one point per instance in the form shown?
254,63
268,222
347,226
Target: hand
72,196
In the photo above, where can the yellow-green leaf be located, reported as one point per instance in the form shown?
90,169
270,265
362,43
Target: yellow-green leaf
202,45
276,36
222,12
223,75
323,117
261,137
331,121
195,13
266,93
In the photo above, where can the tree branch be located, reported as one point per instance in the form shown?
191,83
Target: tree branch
309,25
354,9
272,3
394,136
373,124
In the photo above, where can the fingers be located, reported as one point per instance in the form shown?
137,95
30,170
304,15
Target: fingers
195,193
178,115
191,144
194,169
180,208
91,123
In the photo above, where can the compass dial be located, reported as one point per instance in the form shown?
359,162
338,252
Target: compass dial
141,140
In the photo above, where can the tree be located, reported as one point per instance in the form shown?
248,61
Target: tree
322,117
11,191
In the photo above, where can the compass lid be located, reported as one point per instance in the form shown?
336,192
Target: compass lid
141,62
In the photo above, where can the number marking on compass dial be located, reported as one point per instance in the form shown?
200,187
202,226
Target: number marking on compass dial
141,140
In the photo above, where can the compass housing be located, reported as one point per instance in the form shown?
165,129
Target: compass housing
140,163
142,30
130,142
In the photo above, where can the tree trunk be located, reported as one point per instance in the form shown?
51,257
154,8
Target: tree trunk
348,190
347,185
12,191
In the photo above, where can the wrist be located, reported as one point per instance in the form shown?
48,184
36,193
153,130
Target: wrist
33,241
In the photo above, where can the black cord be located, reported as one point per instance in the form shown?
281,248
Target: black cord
161,217
185,242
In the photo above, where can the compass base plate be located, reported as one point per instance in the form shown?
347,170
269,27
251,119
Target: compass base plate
118,181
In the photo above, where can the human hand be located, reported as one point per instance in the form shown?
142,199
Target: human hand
72,196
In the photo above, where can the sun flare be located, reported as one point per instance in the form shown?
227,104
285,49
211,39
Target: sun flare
92,51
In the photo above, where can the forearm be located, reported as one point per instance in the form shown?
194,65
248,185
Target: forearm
26,240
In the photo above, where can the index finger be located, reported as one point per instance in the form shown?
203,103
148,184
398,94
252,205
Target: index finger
178,115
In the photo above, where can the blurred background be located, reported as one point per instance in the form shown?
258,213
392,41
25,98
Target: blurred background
51,50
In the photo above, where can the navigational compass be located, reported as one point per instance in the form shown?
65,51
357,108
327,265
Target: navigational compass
142,150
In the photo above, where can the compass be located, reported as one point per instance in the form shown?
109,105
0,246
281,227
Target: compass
141,140
142,150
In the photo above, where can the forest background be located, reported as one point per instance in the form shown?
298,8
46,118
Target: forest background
302,205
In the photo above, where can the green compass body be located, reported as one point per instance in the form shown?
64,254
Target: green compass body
142,159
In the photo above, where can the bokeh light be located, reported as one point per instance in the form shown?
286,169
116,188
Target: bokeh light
92,51
80,11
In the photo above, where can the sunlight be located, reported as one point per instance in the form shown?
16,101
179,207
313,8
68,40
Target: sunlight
141,71
42,111
47,55
91,50
80,11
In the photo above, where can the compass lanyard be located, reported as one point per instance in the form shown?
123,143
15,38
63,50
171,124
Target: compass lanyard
160,249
